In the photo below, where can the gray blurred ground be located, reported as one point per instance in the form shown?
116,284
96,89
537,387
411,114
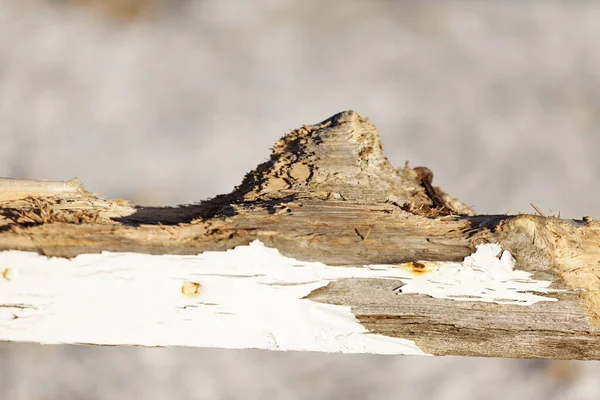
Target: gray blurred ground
501,100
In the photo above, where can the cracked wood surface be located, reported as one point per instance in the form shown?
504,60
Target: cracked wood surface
329,194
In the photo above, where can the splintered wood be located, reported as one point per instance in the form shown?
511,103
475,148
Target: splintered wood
379,249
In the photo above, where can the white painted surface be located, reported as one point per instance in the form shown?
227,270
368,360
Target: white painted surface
249,297
488,275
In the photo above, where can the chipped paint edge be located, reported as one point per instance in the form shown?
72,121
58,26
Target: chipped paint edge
248,297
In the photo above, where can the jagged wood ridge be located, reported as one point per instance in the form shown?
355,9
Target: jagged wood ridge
329,194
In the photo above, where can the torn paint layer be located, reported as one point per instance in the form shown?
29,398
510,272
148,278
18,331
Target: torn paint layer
488,275
248,297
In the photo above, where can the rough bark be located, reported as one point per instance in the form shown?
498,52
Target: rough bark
329,194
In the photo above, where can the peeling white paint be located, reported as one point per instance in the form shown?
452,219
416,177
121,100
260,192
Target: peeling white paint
249,297
488,275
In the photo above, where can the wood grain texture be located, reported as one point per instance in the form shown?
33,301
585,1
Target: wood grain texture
329,194
559,330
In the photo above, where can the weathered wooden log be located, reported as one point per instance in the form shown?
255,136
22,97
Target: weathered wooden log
345,228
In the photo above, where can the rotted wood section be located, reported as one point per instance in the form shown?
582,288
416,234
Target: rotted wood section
329,194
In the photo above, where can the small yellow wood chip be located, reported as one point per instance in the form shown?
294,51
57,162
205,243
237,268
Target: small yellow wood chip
9,274
190,289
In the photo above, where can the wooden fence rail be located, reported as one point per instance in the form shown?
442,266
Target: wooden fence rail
324,247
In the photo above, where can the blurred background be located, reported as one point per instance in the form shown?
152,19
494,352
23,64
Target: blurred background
171,101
